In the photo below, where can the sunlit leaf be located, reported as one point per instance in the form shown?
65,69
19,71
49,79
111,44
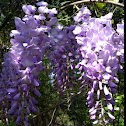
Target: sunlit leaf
112,21
1,123
116,108
118,101
120,97
101,5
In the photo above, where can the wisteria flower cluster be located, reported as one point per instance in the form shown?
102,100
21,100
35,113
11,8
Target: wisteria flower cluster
63,53
91,45
102,49
23,63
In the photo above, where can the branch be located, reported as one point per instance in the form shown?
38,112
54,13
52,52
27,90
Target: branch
52,117
54,107
90,1
58,103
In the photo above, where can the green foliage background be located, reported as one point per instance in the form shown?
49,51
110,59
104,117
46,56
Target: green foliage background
70,110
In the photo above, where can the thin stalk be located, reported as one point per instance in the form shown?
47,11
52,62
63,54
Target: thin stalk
90,1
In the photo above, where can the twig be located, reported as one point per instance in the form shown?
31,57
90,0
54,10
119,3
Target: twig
92,1
55,106
77,7
49,109
69,16
114,10
52,117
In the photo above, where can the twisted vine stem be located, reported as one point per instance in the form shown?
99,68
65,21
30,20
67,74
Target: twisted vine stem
91,1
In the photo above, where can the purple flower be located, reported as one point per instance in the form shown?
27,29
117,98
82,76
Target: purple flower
83,15
29,9
18,119
93,117
17,96
95,122
52,12
20,25
39,17
52,21
11,90
85,10
112,84
25,123
36,83
43,9
42,3
34,109
27,109
13,107
27,60
93,112
120,29
110,107
36,92
111,116
107,16
77,18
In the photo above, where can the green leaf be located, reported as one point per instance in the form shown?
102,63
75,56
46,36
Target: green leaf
12,124
116,108
122,10
42,76
44,60
30,115
106,108
118,101
64,22
120,97
1,123
112,21
77,75
101,5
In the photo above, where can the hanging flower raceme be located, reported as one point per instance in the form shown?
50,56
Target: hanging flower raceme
24,62
101,60
63,52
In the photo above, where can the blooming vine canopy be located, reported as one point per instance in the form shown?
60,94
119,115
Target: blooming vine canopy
91,49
